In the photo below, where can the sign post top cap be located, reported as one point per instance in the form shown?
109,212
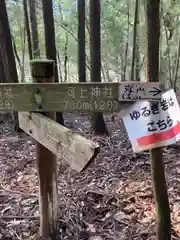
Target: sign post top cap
42,68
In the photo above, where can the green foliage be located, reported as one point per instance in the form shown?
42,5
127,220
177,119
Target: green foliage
114,29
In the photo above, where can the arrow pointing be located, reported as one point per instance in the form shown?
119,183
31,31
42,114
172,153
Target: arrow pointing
158,137
156,91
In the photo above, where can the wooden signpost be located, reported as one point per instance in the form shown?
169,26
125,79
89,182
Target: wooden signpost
55,140
75,97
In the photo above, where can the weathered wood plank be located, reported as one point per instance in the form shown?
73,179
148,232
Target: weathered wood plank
75,97
63,142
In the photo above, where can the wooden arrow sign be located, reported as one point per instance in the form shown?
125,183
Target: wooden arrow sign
140,90
71,146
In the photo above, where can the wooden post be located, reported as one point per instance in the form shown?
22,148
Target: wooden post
163,219
43,71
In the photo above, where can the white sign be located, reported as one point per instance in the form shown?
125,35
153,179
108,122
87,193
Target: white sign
140,90
152,125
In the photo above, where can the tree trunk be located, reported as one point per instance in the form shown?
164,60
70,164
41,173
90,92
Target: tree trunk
167,52
26,21
177,66
60,69
16,52
81,41
7,52
127,43
161,67
2,70
137,52
50,43
163,222
98,123
66,59
34,29
8,48
23,47
134,40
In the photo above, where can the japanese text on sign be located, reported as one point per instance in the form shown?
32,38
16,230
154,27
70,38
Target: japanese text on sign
75,97
6,98
92,92
157,123
68,142
155,109
135,91
94,98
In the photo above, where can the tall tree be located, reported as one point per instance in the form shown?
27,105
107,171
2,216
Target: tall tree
137,54
177,65
156,158
7,51
81,41
66,59
27,26
98,123
50,42
134,39
127,42
2,70
6,41
34,29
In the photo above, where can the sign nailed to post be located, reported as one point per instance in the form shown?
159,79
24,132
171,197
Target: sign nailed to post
152,125
74,97
134,91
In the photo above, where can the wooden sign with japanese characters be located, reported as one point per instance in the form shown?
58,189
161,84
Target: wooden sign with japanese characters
69,97
74,97
152,125
6,97
140,90
76,150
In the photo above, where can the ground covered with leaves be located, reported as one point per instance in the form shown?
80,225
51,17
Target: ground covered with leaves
111,199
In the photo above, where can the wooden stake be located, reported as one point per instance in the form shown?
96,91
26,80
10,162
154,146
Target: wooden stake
43,71
163,221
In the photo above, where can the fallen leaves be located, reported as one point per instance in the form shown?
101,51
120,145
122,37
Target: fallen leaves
111,199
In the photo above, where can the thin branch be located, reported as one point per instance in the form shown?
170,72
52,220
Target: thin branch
120,12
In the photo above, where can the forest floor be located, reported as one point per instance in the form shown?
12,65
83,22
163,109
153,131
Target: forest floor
111,199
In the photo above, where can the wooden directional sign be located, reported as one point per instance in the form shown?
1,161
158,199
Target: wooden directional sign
75,97
136,90
63,142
